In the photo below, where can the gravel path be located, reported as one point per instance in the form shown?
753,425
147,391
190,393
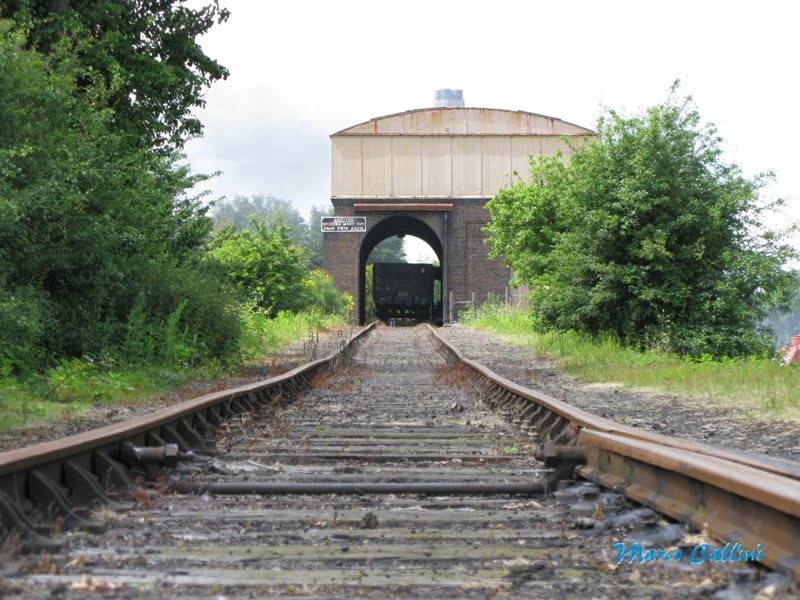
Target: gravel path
669,414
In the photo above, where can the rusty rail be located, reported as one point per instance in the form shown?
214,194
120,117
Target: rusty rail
58,479
736,497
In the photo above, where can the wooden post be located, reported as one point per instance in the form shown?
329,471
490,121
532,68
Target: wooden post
450,307
474,308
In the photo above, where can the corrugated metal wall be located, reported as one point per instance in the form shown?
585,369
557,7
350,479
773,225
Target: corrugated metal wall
442,153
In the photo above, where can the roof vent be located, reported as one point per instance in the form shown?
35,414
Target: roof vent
448,98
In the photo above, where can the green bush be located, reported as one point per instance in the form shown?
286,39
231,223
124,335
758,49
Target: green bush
323,296
647,234
24,314
264,263
180,315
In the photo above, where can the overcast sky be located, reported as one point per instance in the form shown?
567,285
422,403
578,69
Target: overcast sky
303,70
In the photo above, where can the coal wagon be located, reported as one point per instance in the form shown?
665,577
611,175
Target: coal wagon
403,290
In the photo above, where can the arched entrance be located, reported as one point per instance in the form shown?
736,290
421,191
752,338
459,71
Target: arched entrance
390,226
429,173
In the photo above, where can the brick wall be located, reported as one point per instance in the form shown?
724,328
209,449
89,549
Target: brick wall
467,267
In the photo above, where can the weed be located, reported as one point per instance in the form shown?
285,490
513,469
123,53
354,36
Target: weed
756,383
140,495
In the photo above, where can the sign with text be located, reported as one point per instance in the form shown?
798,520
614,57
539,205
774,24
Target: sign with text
344,224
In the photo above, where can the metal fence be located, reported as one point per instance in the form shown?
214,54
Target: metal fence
512,297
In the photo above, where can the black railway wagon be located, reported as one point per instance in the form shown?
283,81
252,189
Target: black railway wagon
403,290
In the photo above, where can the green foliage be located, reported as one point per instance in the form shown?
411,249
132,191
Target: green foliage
390,250
239,212
263,263
315,241
369,307
179,316
24,315
263,334
784,318
84,212
323,296
645,234
143,54
755,384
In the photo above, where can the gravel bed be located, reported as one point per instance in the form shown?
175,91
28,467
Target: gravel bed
669,414
394,416
105,413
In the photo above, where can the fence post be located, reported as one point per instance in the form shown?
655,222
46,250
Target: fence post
474,308
506,295
450,307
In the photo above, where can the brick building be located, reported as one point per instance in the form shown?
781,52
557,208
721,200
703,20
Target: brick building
429,173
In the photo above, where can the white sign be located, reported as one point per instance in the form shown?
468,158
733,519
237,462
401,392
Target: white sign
343,224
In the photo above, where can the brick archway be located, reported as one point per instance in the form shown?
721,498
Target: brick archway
430,172
429,227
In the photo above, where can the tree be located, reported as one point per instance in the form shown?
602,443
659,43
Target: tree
264,263
143,52
86,219
239,212
389,250
646,234
315,237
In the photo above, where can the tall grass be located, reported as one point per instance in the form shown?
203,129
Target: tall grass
72,385
761,385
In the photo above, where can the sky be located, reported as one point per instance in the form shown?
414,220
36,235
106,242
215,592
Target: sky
302,70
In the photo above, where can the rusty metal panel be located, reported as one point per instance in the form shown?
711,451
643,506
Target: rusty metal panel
521,148
391,125
541,125
466,172
346,165
376,170
436,121
464,121
486,121
495,164
550,145
436,166
406,166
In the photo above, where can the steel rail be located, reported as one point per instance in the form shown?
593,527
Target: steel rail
60,477
736,497
580,419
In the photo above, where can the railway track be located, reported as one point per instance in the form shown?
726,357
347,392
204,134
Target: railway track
391,478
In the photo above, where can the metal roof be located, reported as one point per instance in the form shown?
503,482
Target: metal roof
464,121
